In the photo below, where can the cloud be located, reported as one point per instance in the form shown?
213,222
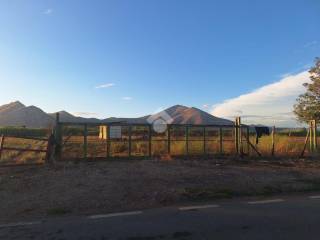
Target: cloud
127,98
106,85
48,11
85,114
270,104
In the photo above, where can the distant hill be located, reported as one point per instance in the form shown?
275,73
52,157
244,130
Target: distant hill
17,114
68,117
179,115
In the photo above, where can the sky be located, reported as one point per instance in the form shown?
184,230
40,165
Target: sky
131,57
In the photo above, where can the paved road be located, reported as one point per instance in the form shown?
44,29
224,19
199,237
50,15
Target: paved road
293,217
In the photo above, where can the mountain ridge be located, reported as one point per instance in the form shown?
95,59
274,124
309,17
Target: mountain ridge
17,114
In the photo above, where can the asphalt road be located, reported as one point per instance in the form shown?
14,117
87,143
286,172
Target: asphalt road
283,217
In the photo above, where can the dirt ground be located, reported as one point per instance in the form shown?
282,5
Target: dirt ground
110,186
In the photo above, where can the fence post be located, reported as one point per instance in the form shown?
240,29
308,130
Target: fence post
58,136
85,141
315,137
130,139
272,135
237,135
108,141
169,139
221,140
187,141
1,144
150,140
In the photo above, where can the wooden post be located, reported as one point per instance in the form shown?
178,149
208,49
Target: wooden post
58,137
169,139
305,143
108,141
85,141
1,144
204,141
272,140
221,140
311,127
130,140
187,141
315,140
237,135
150,140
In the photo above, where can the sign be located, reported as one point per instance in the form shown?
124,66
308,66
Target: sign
115,132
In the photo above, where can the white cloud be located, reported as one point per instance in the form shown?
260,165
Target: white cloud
127,98
270,104
48,11
106,85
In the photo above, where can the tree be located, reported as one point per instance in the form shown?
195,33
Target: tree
308,104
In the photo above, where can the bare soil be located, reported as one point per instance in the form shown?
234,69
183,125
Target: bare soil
82,188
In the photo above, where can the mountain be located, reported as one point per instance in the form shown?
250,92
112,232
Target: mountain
17,114
68,117
177,114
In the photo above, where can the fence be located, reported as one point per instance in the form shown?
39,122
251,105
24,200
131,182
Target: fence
87,140
25,150
94,140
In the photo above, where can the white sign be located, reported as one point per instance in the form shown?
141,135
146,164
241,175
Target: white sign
115,132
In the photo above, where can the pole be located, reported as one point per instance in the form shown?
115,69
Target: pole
85,141
130,140
150,141
1,144
272,135
108,141
187,141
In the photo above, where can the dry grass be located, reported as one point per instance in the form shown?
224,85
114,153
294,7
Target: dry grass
19,157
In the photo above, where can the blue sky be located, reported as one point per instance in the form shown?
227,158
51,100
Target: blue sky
150,54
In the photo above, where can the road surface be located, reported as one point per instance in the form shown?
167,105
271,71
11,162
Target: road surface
284,217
